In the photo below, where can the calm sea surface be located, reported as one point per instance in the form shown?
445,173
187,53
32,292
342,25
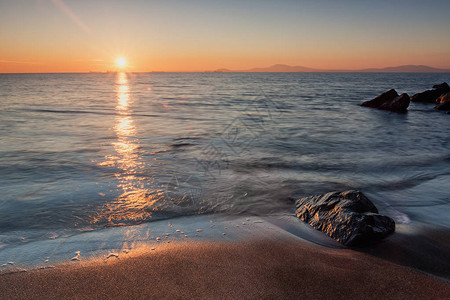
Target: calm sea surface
89,151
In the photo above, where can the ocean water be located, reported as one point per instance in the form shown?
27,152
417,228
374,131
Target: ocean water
83,152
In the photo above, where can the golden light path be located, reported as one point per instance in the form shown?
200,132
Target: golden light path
134,202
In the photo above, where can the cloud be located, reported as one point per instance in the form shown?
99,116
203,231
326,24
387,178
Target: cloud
18,62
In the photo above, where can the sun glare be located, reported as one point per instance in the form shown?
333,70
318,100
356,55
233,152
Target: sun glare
121,62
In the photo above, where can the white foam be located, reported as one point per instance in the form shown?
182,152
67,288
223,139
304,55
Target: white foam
77,257
112,254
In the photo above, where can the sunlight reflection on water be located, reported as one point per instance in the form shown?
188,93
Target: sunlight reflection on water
134,200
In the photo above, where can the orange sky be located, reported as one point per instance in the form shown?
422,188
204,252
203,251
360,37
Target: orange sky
82,36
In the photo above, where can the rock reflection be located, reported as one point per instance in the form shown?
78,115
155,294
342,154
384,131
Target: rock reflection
135,201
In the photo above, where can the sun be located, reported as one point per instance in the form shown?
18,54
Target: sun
121,62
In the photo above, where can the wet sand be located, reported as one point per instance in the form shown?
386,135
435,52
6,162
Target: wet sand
240,269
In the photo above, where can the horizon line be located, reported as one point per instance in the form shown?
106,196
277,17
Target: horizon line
444,71
388,69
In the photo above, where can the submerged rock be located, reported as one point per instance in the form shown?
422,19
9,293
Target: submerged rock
348,217
430,96
389,100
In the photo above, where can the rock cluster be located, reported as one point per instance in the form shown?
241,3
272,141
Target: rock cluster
390,100
430,96
439,95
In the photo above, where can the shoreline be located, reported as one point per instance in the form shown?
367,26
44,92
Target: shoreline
414,246
223,257
269,267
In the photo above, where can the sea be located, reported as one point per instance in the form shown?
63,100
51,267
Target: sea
88,152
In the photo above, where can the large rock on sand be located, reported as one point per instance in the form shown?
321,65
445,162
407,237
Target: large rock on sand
443,102
389,100
430,96
348,217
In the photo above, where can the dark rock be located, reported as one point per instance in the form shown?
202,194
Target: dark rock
398,104
387,96
348,217
442,86
443,102
430,96
443,98
389,100
443,106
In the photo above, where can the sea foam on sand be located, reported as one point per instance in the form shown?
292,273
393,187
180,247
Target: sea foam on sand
209,256
269,268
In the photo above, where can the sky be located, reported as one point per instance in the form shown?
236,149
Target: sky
199,35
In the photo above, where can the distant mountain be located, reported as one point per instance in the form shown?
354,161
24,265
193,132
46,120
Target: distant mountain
283,68
408,69
289,69
275,68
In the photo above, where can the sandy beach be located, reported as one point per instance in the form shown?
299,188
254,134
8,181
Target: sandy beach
224,149
288,269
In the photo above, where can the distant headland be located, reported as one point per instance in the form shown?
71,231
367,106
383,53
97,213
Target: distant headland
294,69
